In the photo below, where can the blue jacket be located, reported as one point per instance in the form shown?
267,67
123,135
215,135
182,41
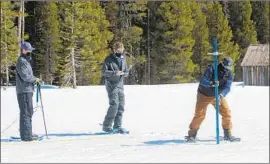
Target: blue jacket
111,65
24,75
225,79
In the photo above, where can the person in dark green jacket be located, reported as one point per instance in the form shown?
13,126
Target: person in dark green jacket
114,70
25,81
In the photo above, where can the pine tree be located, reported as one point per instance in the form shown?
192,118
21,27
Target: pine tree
85,38
9,44
178,66
200,35
219,28
126,20
95,46
244,32
154,41
68,38
21,14
261,15
48,42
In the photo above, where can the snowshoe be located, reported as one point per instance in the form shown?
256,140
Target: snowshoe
120,130
231,139
228,136
191,139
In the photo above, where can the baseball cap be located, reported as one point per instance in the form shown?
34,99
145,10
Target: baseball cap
27,46
227,63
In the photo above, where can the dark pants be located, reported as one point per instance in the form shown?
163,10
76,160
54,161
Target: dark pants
116,109
26,112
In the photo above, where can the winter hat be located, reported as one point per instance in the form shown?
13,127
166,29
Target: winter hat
227,63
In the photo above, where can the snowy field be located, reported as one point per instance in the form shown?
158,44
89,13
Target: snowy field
158,118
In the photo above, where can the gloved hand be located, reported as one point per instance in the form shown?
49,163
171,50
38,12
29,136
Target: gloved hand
220,96
214,83
119,73
38,82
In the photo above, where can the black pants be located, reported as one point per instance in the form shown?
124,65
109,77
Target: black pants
25,101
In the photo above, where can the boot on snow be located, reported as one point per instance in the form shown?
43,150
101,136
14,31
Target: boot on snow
228,136
191,138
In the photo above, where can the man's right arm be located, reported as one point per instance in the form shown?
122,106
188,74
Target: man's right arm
24,73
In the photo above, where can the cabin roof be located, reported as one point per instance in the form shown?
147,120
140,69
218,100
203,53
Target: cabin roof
256,55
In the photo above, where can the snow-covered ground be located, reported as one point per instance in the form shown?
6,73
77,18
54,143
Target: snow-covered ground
157,116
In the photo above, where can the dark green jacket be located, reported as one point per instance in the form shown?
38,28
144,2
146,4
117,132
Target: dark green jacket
111,65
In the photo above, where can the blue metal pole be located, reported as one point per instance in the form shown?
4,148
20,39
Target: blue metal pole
215,57
37,94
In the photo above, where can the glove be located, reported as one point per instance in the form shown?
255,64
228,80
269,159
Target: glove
220,96
38,82
214,83
119,73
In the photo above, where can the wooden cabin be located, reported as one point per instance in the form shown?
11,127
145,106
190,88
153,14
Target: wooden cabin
255,65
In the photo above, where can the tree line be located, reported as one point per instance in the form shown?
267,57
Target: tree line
167,41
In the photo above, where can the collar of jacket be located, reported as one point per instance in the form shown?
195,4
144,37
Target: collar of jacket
27,57
121,57
119,61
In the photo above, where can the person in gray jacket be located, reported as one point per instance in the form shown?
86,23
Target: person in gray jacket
25,81
114,70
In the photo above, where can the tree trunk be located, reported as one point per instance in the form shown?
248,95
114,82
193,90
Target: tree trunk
148,46
7,75
51,65
23,25
47,62
73,68
6,53
72,50
20,28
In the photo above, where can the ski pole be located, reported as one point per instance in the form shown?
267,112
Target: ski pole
39,90
37,95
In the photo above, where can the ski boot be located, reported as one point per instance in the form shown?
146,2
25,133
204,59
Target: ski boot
120,130
191,138
108,130
229,137
35,137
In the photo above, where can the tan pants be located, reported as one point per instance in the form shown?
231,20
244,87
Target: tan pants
200,111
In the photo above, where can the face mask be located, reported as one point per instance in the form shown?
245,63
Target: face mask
227,67
118,54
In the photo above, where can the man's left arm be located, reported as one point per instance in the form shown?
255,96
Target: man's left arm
228,85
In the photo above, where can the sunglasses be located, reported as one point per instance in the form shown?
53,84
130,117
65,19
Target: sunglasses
227,65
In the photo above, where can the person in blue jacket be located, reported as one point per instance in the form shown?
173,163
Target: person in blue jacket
206,96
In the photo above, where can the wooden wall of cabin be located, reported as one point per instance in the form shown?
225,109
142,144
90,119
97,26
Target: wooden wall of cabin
256,75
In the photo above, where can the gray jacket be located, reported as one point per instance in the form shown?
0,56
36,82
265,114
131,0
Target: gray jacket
111,65
24,75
